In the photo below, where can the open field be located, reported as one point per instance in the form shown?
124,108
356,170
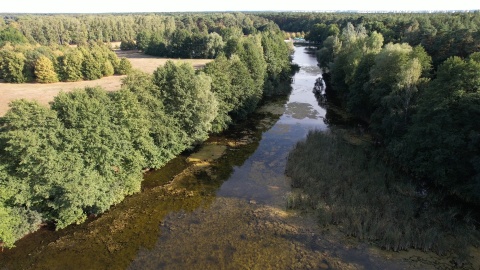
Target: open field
148,63
44,93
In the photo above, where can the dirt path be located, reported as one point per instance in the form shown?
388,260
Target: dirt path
44,93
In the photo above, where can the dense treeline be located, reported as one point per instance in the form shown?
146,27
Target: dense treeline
24,62
87,151
441,34
427,121
198,41
83,28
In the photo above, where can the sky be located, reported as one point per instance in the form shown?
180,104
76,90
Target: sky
128,6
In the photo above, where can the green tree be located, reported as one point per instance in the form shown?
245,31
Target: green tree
12,35
251,53
124,67
44,71
214,45
91,66
395,78
126,45
444,141
108,69
348,50
107,165
70,66
143,40
163,129
188,98
179,43
245,91
219,71
32,147
12,65
277,57
320,31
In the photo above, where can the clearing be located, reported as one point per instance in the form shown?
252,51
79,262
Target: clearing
44,93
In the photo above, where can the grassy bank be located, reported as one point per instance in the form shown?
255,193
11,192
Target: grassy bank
349,186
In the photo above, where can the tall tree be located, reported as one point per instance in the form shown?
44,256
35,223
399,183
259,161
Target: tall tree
12,65
188,98
44,71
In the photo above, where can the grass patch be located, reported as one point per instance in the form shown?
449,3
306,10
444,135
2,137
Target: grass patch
348,186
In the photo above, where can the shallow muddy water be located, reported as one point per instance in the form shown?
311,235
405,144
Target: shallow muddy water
223,207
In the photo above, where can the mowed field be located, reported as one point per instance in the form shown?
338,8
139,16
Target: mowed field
44,93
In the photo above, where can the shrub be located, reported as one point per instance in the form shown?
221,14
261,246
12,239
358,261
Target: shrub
124,67
126,45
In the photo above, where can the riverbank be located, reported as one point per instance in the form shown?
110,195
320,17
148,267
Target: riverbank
349,187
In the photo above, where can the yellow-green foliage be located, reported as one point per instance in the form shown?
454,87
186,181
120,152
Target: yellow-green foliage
11,66
108,69
44,71
124,67
25,62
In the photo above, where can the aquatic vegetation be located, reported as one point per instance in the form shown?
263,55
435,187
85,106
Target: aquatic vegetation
349,186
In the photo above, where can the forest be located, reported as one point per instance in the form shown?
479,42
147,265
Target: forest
88,150
414,81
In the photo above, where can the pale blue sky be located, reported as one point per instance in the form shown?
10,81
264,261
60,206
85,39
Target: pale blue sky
102,6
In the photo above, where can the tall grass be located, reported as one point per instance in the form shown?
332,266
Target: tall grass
349,186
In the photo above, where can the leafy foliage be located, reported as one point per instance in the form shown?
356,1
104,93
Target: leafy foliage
11,66
88,150
443,141
21,63
124,66
11,35
425,120
45,71
126,45
188,98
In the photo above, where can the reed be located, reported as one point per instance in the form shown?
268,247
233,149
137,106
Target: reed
349,186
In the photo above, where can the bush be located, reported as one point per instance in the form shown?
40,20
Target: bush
126,45
124,67
91,68
70,66
108,69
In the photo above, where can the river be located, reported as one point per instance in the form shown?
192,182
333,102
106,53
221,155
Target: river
223,208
